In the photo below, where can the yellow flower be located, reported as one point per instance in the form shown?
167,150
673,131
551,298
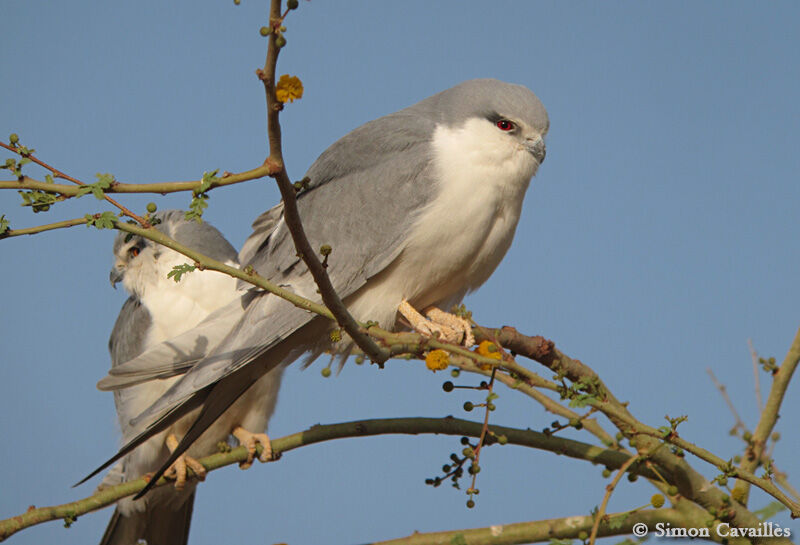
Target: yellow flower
437,360
288,88
489,350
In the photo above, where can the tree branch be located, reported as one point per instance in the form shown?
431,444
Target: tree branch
567,528
291,214
320,433
161,188
769,416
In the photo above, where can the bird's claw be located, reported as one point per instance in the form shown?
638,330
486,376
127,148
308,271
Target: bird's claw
451,328
250,440
178,469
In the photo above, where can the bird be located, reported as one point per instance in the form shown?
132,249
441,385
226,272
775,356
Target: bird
418,208
158,309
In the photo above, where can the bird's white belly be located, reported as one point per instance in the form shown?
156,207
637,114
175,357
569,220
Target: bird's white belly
457,241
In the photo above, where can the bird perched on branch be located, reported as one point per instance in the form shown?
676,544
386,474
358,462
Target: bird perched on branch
418,209
158,309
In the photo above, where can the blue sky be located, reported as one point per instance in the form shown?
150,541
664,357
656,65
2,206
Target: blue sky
660,234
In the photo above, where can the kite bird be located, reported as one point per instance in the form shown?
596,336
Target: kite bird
418,207
157,310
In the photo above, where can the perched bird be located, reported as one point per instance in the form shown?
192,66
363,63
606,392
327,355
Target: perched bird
157,310
419,207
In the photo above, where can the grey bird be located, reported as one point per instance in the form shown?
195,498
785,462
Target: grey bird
419,208
157,310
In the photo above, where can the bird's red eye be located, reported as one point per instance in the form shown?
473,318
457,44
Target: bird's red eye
505,125
134,251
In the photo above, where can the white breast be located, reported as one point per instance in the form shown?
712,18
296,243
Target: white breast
459,239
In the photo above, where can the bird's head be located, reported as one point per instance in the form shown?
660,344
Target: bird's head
134,256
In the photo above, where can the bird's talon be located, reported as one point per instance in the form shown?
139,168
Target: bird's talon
250,440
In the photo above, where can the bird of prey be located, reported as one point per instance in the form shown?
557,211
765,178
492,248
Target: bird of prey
419,207
157,310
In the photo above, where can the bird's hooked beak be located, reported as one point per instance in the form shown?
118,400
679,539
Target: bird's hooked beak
116,275
535,145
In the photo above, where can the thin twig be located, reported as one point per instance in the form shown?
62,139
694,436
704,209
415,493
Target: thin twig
160,188
59,174
756,374
601,511
42,228
724,392
291,214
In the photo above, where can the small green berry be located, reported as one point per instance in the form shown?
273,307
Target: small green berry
468,452
13,138
468,406
264,30
359,360
606,473
237,2
325,250
280,41
502,439
470,504
672,490
292,4
583,535
474,469
632,477
491,406
455,373
326,372
465,440
448,386
151,207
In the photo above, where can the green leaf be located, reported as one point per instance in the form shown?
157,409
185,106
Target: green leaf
208,180
3,224
179,270
98,188
765,513
615,523
49,179
40,201
106,220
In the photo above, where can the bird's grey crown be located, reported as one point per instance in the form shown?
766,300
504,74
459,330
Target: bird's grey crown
202,237
486,98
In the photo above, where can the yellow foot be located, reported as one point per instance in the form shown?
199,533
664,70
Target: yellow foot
249,440
451,328
178,467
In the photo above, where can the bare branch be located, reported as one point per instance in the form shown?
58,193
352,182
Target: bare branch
318,434
291,214
769,416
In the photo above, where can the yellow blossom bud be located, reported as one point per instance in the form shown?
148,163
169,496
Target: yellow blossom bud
657,500
437,360
288,88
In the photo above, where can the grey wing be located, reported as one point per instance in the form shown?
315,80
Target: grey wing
130,332
200,236
364,194
263,227
382,179
177,355
127,340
